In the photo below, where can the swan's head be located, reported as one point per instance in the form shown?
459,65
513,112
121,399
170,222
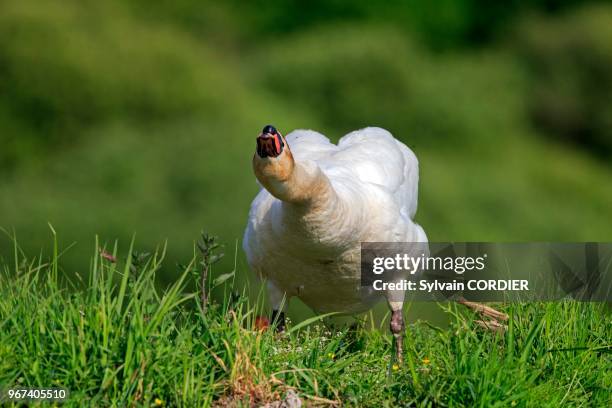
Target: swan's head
270,142
273,161
275,169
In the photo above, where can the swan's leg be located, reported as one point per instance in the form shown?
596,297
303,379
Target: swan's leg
395,299
278,300
278,319
397,328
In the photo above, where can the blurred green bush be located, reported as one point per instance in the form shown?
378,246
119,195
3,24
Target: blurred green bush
70,66
372,76
440,25
570,59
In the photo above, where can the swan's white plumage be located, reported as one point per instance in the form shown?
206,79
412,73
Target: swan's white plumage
375,176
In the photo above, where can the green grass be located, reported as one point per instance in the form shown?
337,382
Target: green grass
116,340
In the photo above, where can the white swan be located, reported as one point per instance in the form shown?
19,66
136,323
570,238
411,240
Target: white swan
319,202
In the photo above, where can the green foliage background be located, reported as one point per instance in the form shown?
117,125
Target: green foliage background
136,117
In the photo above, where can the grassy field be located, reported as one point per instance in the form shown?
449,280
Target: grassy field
116,340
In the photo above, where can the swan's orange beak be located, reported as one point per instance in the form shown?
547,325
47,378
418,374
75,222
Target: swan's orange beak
269,143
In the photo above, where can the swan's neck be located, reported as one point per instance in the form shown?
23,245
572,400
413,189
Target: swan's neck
301,184
313,212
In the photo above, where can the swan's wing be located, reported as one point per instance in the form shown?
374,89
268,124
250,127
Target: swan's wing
309,145
260,206
375,156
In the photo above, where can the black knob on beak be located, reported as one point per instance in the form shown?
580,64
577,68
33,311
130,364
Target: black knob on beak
269,129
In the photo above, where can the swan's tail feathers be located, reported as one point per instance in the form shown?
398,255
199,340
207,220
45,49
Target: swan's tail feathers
420,234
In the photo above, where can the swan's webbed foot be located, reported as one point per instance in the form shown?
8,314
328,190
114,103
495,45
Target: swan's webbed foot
278,320
494,316
397,329
484,310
